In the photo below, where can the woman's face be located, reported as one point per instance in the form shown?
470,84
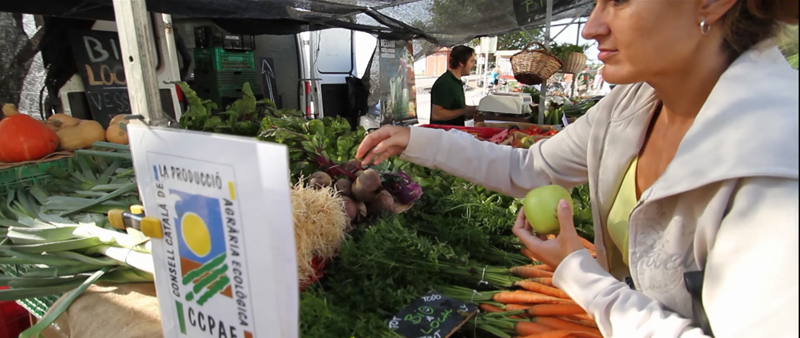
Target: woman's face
641,39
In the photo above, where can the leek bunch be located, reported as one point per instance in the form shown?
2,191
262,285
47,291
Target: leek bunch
55,238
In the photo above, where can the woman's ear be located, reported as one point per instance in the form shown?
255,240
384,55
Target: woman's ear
713,10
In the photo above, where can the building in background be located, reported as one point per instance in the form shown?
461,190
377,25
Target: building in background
436,63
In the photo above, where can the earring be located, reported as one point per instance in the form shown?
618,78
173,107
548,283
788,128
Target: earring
704,27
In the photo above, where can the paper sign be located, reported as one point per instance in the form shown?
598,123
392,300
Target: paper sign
460,132
564,120
225,266
431,316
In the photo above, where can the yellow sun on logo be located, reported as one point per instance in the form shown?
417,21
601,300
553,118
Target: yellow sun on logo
195,234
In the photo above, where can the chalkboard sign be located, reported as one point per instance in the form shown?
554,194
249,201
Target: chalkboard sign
99,63
431,316
269,84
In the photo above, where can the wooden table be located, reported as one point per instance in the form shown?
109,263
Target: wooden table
498,117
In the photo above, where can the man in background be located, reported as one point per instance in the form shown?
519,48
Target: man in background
448,104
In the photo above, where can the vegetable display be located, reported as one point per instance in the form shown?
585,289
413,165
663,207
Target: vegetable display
370,240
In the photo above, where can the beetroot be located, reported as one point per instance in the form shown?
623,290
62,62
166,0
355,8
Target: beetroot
343,186
403,187
350,208
383,204
319,180
367,186
352,166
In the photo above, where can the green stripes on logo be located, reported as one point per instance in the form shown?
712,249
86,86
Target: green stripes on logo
181,320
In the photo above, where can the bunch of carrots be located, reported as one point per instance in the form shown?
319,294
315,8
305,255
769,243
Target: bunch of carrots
532,308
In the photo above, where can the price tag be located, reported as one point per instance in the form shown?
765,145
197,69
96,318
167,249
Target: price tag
431,316
564,120
460,132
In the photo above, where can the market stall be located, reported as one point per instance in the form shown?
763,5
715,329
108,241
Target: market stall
369,241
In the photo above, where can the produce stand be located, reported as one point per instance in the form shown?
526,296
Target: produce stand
385,262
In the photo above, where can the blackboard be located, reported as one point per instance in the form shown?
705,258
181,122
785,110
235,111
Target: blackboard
431,316
99,63
269,85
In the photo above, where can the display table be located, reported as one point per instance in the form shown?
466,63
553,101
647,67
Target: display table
118,311
495,117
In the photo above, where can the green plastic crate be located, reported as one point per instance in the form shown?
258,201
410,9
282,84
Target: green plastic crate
36,306
213,79
224,91
223,60
28,174
13,178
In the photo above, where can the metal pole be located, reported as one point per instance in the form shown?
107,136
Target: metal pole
543,92
563,29
575,76
136,43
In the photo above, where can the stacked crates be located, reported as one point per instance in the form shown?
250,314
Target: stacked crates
222,68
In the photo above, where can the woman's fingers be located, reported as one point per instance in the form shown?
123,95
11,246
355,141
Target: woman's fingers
565,217
382,155
372,140
522,229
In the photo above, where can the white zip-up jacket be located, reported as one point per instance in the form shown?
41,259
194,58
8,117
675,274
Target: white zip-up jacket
726,204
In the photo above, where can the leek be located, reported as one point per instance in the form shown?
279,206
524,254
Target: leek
42,324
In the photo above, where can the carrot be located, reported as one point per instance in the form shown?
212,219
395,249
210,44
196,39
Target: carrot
584,317
528,328
543,280
576,320
544,267
528,297
581,334
490,308
554,310
529,272
551,334
586,244
541,288
560,324
515,307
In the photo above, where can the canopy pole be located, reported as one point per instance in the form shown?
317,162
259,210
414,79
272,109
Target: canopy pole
575,76
543,91
136,43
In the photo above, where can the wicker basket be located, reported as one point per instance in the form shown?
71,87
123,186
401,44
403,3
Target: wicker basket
574,63
534,66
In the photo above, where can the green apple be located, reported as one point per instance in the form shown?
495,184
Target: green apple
541,208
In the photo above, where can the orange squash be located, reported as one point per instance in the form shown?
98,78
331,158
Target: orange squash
22,138
114,133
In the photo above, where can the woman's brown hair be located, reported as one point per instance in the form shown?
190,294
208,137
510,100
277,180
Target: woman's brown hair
749,22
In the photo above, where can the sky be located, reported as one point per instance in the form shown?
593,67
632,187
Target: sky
569,34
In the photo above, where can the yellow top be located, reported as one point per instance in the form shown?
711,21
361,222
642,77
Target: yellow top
621,210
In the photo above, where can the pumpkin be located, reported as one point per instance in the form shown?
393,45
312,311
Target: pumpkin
84,135
115,133
63,120
23,138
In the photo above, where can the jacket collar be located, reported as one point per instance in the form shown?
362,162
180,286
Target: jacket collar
747,127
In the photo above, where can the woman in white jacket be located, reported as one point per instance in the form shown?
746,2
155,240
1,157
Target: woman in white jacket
692,166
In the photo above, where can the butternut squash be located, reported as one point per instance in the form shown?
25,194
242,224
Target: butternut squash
81,136
114,133
64,120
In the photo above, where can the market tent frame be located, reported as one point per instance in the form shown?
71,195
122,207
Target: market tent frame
388,19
